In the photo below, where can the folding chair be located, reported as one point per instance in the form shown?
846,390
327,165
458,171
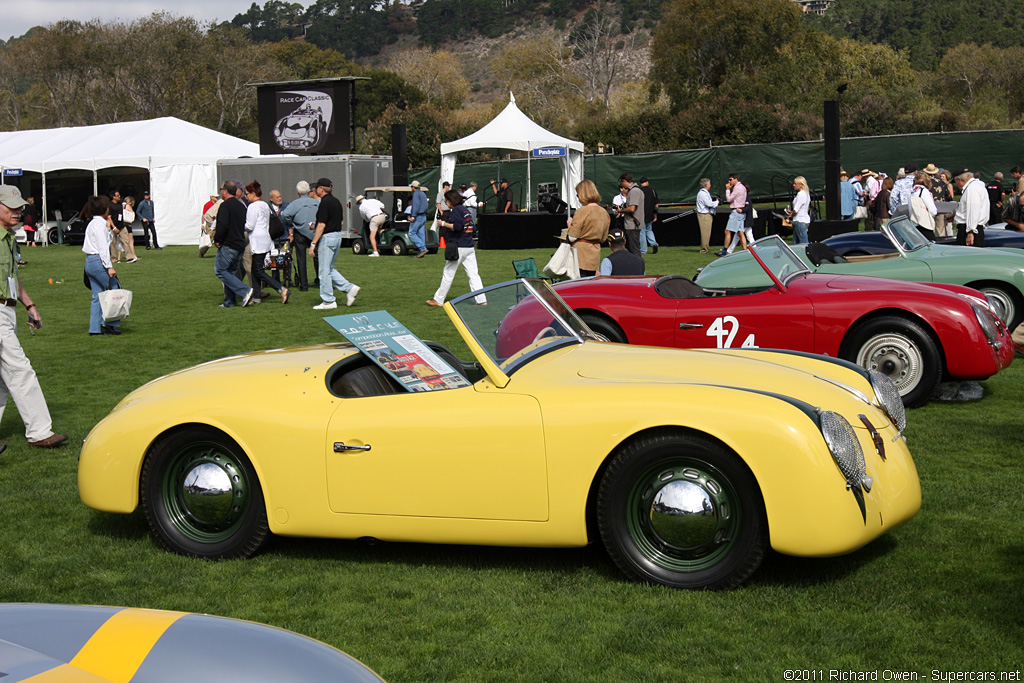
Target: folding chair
527,267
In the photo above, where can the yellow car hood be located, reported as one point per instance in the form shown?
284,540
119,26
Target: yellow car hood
231,374
787,374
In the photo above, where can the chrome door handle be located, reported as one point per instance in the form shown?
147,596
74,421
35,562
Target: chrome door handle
690,326
340,447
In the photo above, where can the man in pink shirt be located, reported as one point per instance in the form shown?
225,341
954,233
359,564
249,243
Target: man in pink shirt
736,195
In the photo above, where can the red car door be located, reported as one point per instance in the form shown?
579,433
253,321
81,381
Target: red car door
769,319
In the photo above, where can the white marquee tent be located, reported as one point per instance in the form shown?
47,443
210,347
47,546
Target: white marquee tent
512,129
181,159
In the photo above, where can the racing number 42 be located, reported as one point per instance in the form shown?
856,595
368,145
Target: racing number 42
724,330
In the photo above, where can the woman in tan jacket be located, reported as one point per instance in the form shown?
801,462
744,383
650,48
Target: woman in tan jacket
588,228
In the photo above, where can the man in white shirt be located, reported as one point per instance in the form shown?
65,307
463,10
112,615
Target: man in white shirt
706,206
372,211
469,198
973,212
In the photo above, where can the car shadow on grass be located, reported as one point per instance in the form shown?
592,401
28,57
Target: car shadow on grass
125,527
794,572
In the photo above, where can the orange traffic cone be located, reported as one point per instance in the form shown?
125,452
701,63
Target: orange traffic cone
442,242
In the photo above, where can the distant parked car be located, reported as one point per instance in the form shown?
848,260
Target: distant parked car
997,273
74,232
872,242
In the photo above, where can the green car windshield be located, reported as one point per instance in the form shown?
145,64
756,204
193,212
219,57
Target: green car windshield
904,235
775,256
522,320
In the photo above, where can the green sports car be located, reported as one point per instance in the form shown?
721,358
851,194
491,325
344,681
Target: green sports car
998,273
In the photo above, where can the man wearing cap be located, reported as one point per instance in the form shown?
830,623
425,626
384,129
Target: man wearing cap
940,193
17,378
417,233
504,196
650,215
372,211
973,211
146,215
847,197
439,205
326,243
300,219
621,261
900,193
632,212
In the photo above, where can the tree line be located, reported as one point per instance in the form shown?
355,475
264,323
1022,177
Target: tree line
634,75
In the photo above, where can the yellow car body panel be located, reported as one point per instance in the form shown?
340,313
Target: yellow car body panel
541,436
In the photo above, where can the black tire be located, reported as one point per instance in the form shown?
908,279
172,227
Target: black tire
604,327
52,235
901,349
432,250
358,247
715,547
1005,303
231,523
398,248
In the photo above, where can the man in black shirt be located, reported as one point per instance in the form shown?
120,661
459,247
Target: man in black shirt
231,242
325,245
504,196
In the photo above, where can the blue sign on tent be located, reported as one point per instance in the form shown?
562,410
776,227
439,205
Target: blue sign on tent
544,152
12,171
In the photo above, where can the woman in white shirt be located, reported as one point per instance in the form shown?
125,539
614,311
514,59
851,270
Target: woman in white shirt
98,269
922,205
801,211
257,225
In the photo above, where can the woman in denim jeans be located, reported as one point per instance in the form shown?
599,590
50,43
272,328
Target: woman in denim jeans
801,211
98,269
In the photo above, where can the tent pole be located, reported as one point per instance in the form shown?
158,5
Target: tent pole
529,178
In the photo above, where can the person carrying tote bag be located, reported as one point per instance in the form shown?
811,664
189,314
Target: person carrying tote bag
115,302
98,268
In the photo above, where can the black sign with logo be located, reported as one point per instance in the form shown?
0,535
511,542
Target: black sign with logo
305,117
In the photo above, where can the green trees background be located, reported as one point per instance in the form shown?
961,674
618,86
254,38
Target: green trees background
631,75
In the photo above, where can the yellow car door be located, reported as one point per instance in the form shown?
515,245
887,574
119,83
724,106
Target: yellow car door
459,453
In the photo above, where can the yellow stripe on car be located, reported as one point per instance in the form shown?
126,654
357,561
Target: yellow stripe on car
118,648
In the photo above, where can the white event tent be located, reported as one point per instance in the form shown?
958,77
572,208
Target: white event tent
180,158
512,129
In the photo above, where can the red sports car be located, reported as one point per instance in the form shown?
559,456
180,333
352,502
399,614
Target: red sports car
917,334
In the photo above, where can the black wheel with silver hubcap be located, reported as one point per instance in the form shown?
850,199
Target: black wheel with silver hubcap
681,511
202,497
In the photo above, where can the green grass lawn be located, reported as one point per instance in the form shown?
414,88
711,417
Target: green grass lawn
946,591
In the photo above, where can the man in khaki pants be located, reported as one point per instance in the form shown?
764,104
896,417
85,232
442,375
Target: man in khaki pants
706,205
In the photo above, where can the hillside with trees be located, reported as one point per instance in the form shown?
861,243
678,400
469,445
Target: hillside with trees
633,75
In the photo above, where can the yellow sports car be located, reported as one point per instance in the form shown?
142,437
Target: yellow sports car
687,464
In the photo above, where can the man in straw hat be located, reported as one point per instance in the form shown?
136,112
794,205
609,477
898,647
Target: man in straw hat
940,193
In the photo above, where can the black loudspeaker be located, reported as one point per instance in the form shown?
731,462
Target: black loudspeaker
399,155
832,160
552,203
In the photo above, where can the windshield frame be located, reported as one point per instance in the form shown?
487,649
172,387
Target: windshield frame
782,279
573,330
889,230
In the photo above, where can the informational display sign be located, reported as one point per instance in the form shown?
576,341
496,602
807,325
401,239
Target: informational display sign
545,152
8,172
397,351
308,117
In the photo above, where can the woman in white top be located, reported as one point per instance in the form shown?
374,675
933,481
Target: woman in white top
98,269
922,205
257,225
801,211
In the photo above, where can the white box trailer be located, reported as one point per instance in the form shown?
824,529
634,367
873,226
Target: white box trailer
350,173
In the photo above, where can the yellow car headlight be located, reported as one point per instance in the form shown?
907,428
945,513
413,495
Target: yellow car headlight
845,448
889,398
